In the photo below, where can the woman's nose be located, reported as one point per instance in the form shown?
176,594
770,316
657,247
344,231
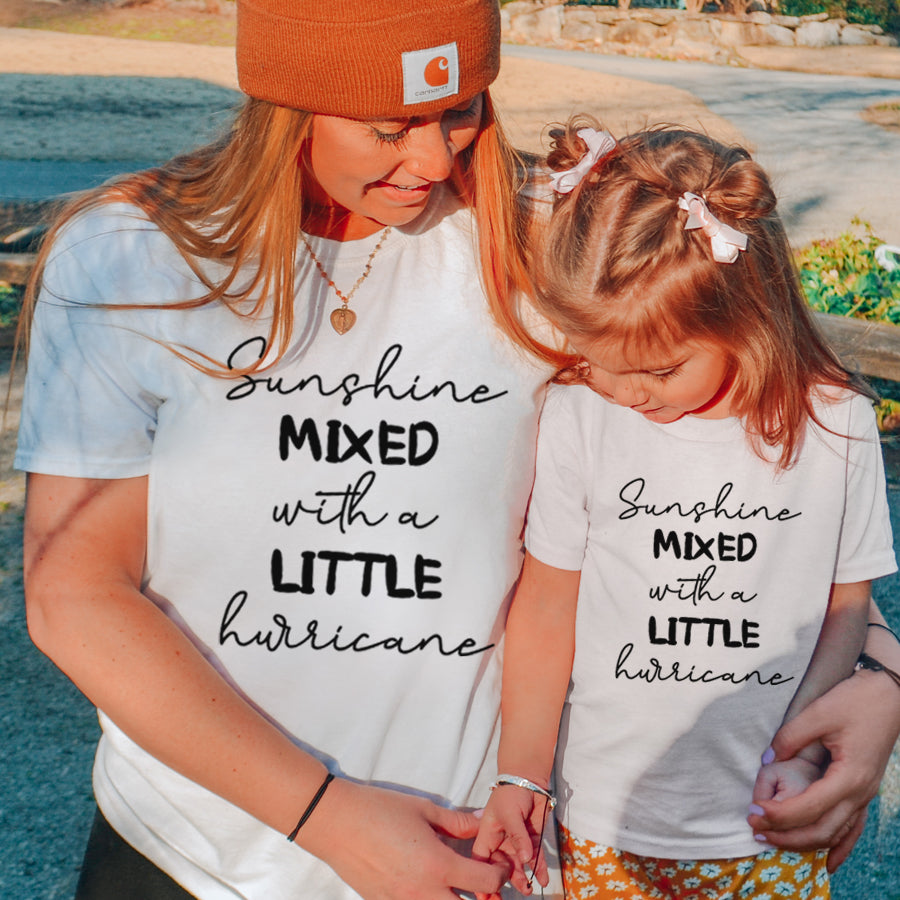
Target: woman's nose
431,154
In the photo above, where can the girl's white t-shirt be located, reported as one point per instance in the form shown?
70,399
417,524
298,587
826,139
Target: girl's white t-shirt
705,575
339,534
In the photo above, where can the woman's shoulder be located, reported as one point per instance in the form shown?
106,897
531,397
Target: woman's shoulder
116,253
105,223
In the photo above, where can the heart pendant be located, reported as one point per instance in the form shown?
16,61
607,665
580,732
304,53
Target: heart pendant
342,320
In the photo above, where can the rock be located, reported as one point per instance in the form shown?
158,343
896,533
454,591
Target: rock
522,25
660,17
739,34
687,49
818,34
580,15
579,25
634,32
578,32
610,15
658,29
780,36
857,37
691,29
548,24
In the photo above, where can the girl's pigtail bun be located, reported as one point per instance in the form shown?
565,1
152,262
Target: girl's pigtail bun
742,191
568,149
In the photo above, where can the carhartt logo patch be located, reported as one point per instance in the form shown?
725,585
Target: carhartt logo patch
430,74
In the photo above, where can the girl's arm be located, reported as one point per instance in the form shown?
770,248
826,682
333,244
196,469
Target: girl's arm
858,721
84,556
537,666
840,642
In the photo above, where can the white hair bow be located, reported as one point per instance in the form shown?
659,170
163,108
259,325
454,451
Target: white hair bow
727,242
599,144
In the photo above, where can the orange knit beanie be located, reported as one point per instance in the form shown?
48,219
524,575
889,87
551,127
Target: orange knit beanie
367,58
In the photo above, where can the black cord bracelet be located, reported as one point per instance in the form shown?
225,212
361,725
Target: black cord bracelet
312,805
886,628
869,662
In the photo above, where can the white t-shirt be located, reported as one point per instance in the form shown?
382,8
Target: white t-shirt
338,534
705,579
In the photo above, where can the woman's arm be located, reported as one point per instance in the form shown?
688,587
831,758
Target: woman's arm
837,649
537,665
858,721
84,556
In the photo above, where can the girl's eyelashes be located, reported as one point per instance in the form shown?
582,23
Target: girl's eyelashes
666,373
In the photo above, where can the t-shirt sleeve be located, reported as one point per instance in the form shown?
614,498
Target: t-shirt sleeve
85,411
866,548
558,515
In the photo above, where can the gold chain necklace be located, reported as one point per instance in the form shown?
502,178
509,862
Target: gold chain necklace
343,319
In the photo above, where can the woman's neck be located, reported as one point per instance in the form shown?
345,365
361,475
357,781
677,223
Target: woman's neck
337,223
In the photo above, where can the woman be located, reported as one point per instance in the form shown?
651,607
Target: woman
280,447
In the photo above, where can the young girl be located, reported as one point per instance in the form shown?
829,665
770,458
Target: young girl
709,501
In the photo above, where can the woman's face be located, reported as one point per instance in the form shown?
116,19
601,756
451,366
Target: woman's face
371,173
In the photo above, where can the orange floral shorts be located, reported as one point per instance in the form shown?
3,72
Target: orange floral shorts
603,873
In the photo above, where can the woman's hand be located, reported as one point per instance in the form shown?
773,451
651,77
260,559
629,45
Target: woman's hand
392,846
858,722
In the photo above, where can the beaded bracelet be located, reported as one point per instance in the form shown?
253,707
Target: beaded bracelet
518,781
312,805
869,662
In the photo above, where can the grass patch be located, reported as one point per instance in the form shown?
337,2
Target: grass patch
887,115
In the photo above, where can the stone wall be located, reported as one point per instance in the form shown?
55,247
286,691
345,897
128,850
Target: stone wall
675,32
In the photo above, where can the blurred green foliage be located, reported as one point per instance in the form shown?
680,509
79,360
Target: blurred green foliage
10,300
842,276
885,13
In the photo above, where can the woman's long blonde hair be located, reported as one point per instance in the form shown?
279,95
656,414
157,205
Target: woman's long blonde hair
239,202
619,264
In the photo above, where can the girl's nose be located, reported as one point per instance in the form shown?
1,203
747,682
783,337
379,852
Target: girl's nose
628,392
431,154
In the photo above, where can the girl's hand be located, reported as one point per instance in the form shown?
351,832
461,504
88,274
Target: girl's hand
858,722
392,846
785,779
511,828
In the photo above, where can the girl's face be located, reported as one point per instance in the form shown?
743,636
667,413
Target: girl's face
371,173
663,384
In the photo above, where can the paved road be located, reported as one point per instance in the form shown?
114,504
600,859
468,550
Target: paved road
829,165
